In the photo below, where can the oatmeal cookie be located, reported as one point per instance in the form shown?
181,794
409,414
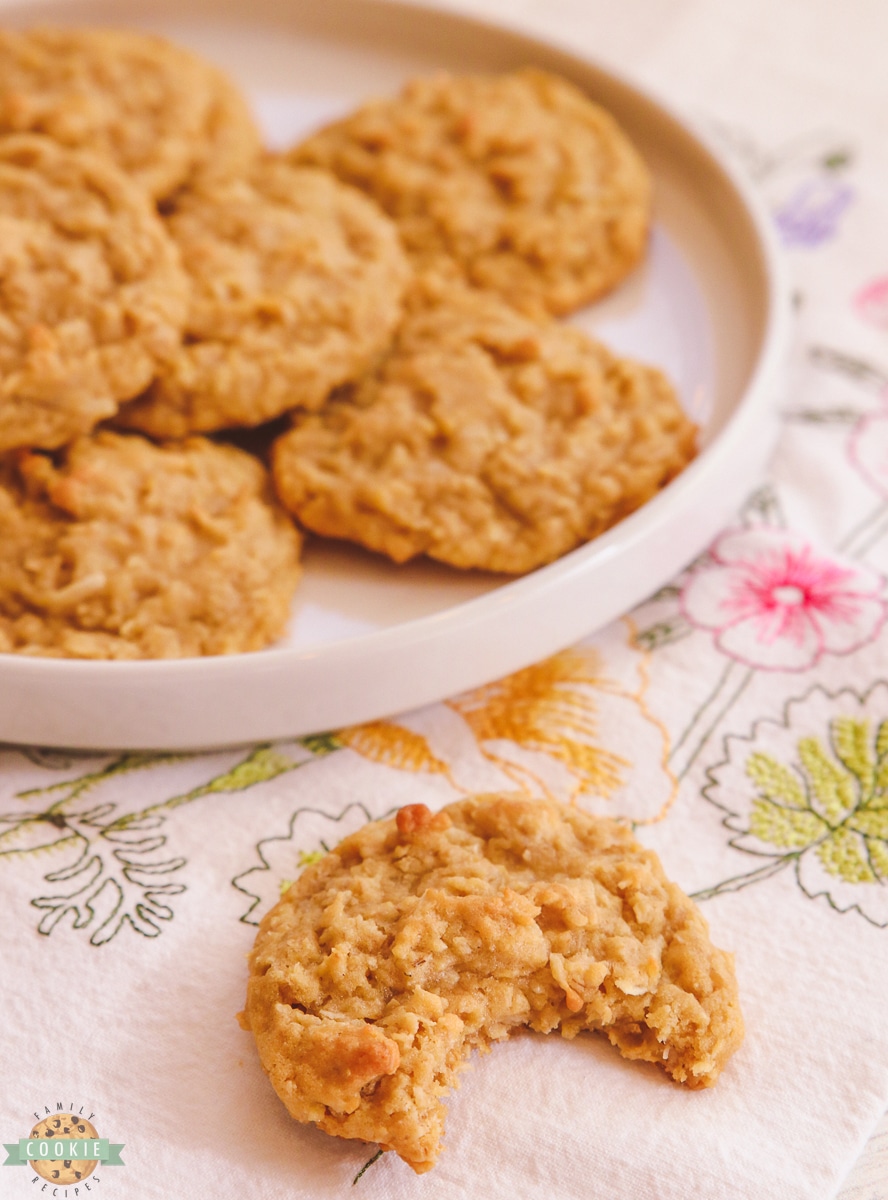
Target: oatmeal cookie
297,287
92,292
485,439
423,937
134,98
518,180
231,142
118,548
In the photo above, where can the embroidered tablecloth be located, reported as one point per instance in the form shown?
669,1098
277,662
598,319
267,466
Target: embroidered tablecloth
739,718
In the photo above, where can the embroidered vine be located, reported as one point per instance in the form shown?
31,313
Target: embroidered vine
118,871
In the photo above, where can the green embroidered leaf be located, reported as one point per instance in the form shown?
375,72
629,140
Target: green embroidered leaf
788,828
882,740
882,757
258,767
832,786
836,160
850,741
776,782
878,856
320,744
872,822
843,855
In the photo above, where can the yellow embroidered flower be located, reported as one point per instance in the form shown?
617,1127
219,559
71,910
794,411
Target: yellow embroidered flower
575,726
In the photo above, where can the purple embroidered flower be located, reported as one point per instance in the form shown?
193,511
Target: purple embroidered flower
774,602
811,214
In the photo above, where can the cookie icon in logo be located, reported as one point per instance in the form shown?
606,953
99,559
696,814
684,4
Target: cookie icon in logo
64,1170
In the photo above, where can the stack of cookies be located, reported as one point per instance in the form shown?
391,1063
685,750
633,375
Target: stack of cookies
391,286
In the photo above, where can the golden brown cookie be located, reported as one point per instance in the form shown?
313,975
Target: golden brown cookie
518,180
64,1171
230,142
297,288
134,98
93,295
485,439
423,937
118,548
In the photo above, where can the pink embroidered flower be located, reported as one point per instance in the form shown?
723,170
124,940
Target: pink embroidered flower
871,302
774,602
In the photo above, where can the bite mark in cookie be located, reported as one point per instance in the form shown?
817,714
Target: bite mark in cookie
425,936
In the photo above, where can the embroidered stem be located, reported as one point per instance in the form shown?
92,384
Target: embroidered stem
369,1163
640,698
708,715
858,369
517,773
125,763
737,882
261,765
866,533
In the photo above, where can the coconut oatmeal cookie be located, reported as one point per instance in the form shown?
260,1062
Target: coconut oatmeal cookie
518,181
118,548
92,293
485,439
231,142
422,937
297,283
138,100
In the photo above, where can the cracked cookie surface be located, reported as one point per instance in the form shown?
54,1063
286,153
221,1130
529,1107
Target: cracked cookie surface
92,298
484,439
424,936
517,181
297,283
118,548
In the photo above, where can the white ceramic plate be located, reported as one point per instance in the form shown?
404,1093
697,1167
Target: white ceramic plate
369,639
